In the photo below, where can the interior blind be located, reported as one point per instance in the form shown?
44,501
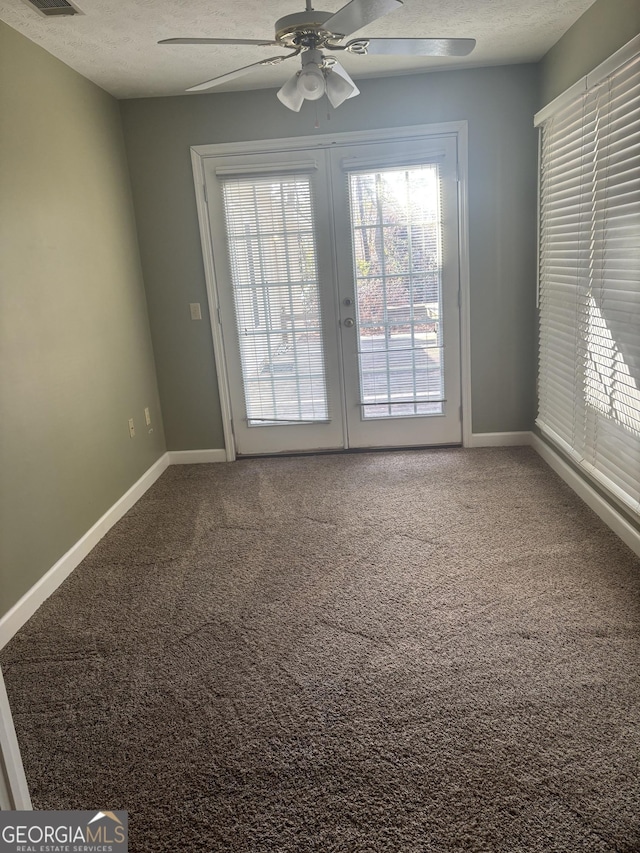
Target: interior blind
589,368
272,253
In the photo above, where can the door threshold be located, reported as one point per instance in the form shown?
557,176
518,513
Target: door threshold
347,450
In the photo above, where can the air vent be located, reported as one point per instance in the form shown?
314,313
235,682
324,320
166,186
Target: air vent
49,8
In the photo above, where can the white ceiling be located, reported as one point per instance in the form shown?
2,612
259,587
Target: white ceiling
114,43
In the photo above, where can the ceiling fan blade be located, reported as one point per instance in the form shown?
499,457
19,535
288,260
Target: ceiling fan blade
231,75
357,14
218,41
411,47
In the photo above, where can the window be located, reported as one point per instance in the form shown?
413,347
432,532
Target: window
397,269
589,371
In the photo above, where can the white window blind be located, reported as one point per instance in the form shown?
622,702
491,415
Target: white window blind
589,369
272,254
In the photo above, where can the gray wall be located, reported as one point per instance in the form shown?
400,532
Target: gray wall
603,28
498,103
75,351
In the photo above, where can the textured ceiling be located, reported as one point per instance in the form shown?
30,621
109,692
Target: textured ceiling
114,43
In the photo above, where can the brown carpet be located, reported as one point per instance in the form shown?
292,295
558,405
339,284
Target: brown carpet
391,653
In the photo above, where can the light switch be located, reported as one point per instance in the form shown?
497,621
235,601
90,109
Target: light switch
196,313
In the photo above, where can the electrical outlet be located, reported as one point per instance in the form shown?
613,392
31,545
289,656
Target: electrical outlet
132,429
147,416
196,313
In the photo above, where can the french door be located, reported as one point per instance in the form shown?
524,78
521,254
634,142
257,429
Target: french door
337,287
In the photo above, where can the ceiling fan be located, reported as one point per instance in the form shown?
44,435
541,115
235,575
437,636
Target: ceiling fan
310,32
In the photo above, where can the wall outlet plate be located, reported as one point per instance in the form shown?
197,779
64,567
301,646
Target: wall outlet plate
132,429
147,416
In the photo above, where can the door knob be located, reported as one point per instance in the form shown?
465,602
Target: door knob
349,322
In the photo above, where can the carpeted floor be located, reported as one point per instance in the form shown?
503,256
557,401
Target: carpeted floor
371,653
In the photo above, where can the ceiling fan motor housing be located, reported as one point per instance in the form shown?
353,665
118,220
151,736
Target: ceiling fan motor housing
304,29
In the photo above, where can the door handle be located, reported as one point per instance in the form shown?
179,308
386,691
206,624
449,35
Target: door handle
349,322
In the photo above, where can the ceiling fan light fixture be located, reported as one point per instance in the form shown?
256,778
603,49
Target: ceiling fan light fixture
290,96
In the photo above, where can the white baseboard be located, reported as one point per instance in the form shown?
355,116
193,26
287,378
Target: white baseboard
606,511
192,457
500,439
24,609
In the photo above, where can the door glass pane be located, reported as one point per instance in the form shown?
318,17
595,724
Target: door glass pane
272,252
397,251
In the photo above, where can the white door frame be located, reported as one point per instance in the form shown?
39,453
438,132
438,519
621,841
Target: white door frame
200,153
14,793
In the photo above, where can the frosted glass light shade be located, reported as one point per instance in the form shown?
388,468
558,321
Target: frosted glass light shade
311,82
290,96
339,85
